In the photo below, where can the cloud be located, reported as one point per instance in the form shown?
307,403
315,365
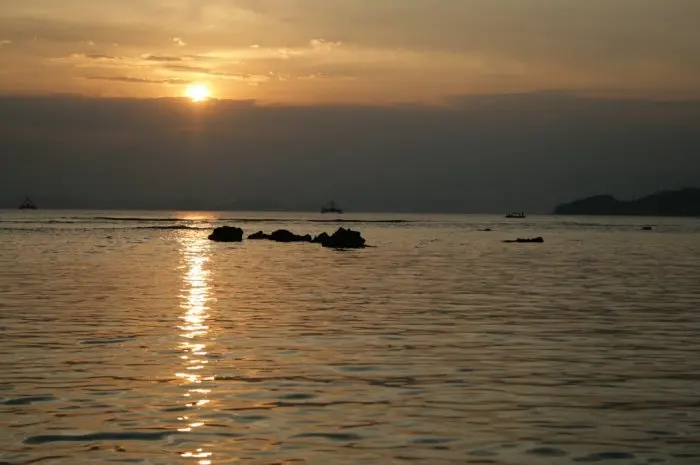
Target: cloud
161,58
226,75
394,48
188,69
324,45
256,79
96,56
133,60
325,76
92,59
140,80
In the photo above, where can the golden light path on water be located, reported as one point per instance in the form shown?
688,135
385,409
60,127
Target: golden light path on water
195,336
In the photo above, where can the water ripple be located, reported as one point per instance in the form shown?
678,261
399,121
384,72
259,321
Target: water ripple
440,346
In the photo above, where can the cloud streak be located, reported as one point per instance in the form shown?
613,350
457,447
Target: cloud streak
96,56
162,58
135,80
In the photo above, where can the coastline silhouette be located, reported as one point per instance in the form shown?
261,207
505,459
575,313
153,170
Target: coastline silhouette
682,202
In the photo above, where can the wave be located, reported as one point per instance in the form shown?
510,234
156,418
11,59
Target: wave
136,218
360,221
143,219
244,220
39,230
108,228
101,436
93,219
172,227
23,221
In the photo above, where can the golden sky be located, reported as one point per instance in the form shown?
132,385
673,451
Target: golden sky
310,51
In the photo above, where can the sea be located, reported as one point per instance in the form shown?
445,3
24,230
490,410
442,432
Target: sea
129,337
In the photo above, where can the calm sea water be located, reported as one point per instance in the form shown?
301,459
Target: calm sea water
128,337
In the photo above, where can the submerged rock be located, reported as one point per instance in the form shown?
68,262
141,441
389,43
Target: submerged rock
281,235
258,235
226,234
343,239
532,239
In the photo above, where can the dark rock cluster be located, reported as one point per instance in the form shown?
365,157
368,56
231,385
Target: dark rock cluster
281,235
226,234
342,238
532,239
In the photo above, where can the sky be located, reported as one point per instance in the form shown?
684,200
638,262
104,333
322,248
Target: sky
457,105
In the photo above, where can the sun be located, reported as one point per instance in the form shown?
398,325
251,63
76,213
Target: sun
197,92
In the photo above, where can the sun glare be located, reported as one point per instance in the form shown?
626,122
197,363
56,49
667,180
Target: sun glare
197,92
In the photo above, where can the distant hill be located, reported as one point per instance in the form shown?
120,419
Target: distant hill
683,202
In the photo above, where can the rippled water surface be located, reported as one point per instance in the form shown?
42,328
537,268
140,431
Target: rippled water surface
128,337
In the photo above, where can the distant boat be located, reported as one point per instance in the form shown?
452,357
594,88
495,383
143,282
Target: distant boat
27,204
515,215
331,207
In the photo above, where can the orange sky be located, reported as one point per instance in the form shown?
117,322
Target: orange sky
304,51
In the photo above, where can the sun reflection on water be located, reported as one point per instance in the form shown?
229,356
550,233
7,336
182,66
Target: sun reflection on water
195,338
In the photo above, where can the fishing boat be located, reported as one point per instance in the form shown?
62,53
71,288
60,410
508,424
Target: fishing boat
515,215
27,204
331,207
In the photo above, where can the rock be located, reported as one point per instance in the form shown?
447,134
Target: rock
226,234
485,230
533,239
344,239
321,238
258,235
281,235
646,228
341,239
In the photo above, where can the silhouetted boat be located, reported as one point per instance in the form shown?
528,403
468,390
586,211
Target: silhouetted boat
331,207
27,204
515,215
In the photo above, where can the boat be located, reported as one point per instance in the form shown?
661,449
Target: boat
27,204
331,207
515,215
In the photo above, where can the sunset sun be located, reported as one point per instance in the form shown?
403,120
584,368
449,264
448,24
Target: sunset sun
197,92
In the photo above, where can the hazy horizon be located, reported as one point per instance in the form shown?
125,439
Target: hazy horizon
63,204
496,153
469,106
